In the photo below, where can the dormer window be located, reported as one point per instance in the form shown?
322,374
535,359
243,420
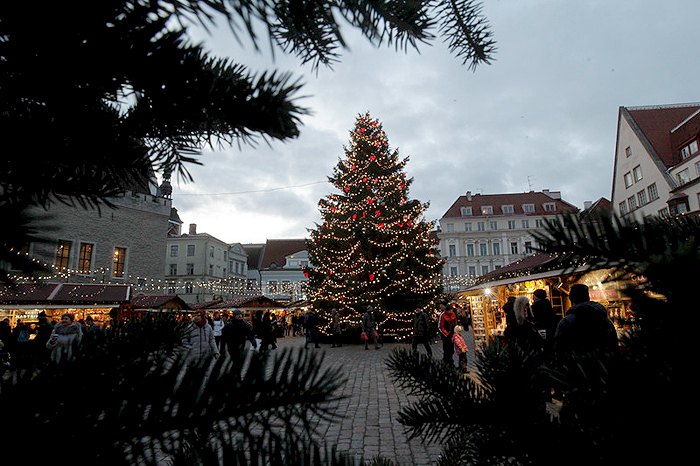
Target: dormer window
549,206
487,210
528,208
689,149
507,209
465,211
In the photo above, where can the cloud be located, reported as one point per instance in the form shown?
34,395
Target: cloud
542,116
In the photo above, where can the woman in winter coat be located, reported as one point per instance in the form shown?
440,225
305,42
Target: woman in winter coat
199,338
369,326
64,339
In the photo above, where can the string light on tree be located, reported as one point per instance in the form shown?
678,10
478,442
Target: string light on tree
373,245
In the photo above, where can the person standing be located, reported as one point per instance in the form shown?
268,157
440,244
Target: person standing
369,326
335,328
421,331
217,325
586,326
508,311
199,338
446,326
65,339
311,328
544,319
234,335
522,331
461,349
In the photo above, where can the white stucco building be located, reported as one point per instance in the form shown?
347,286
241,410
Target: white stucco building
483,232
657,160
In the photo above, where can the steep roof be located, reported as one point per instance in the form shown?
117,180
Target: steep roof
515,199
255,253
277,249
600,207
655,124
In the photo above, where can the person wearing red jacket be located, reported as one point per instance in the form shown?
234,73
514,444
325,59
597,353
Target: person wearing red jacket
446,325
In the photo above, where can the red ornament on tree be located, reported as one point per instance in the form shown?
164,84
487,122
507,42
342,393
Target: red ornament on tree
377,213
347,189
371,276
306,274
372,157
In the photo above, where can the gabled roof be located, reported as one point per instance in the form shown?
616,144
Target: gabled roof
255,253
243,302
654,126
158,301
525,266
276,250
515,199
600,207
65,293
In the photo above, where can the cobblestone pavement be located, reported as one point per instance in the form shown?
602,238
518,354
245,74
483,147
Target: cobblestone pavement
369,426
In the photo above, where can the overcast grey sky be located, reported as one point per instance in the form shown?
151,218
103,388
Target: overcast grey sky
543,115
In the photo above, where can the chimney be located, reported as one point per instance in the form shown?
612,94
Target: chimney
469,195
193,228
587,205
552,194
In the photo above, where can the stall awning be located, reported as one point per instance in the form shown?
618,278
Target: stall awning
62,295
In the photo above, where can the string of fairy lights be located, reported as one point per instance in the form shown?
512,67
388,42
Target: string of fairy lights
373,244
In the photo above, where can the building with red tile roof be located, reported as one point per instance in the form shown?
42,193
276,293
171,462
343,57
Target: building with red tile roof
480,233
279,268
657,160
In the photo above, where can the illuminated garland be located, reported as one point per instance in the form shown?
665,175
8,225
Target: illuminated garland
373,246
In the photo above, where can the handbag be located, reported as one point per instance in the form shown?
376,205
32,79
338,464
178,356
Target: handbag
363,336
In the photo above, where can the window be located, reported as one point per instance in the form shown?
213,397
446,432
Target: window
472,271
481,226
513,248
467,227
470,249
453,271
85,259
528,208
171,288
653,192
507,209
173,269
190,269
465,211
526,224
663,212
225,255
689,149
493,225
623,207
683,176
452,250
641,197
119,262
484,269
637,173
628,151
496,249
450,227
188,287
63,255
511,224
211,269
174,250
190,250
487,210
528,246
211,251
550,206
697,168
539,223
483,249
632,202
628,180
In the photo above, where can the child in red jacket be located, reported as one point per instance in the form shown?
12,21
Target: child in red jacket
461,348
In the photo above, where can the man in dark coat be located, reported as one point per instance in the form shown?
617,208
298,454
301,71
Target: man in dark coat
421,331
234,335
544,319
586,326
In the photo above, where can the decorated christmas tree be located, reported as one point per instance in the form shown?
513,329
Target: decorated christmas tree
373,245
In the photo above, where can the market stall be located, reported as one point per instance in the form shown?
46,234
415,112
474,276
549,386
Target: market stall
25,301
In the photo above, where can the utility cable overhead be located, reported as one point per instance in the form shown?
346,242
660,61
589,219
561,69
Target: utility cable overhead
254,190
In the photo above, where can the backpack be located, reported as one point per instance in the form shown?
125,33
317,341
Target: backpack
23,336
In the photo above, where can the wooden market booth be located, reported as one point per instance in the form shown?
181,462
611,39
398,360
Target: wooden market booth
551,272
25,301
